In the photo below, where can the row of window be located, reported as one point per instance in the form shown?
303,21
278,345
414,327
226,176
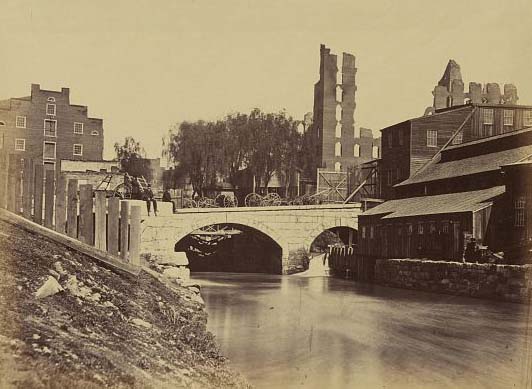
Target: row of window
356,150
422,228
507,117
49,148
50,126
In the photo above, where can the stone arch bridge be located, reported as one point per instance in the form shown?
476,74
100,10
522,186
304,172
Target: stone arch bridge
293,228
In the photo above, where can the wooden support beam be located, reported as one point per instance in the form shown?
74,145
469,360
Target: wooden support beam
49,194
27,188
135,235
18,185
11,182
4,167
124,229
113,220
60,203
72,209
86,224
37,193
99,221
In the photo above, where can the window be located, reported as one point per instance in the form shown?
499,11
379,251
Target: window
519,212
445,227
337,167
338,93
20,144
458,139
371,232
50,127
49,149
78,128
52,99
432,227
338,130
95,132
487,116
508,119
410,229
78,149
338,112
363,232
356,150
50,109
420,228
338,149
527,118
432,138
375,151
21,122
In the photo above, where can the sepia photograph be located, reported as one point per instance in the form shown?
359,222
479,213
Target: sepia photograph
282,194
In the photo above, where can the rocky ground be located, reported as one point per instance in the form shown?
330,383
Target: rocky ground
101,328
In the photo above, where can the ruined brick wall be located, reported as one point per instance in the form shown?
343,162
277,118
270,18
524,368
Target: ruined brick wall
499,282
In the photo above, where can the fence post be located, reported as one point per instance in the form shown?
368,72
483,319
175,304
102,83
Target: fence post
37,193
72,209
86,224
27,188
99,221
11,183
49,193
124,229
60,203
135,234
4,168
113,225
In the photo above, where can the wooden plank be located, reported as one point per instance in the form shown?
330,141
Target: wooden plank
49,194
86,224
99,221
102,258
113,229
124,229
18,185
11,182
4,166
37,193
135,234
72,208
27,190
60,203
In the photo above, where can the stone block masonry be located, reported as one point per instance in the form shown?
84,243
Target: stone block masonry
498,282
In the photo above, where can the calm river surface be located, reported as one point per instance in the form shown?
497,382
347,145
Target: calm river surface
321,332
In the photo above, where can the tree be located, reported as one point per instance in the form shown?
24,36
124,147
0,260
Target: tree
132,158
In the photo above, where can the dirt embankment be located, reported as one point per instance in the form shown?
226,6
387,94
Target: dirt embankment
103,330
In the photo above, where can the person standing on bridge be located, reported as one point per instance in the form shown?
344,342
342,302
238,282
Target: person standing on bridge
148,197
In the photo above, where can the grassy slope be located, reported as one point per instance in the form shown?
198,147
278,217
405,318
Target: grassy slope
86,337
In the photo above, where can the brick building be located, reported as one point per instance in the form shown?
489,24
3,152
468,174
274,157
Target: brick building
45,126
338,145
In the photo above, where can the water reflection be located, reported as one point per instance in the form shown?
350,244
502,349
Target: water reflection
284,332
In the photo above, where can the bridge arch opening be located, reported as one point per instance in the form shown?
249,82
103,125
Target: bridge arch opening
229,247
333,236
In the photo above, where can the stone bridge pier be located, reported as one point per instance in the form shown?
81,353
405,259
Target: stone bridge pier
293,228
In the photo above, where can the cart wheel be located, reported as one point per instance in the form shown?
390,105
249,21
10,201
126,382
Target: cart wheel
253,200
230,202
219,200
189,203
122,191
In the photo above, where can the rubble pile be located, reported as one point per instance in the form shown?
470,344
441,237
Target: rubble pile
66,320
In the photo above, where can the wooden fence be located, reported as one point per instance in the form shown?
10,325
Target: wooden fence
46,197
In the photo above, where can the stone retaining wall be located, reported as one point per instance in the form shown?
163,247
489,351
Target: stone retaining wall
501,282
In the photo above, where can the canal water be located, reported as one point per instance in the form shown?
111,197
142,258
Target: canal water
323,332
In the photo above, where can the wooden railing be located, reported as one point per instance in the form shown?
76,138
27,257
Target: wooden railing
48,198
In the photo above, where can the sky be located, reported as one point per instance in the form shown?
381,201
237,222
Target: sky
145,65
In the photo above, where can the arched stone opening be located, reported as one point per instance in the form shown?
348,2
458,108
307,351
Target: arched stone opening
250,251
341,235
